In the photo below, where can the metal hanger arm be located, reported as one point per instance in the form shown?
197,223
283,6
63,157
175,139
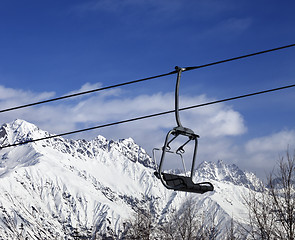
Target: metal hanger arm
179,71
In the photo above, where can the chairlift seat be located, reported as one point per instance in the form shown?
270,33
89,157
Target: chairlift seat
183,183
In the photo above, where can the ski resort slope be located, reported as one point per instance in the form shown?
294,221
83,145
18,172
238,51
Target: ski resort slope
61,189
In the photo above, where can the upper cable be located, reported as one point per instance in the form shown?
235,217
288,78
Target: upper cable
145,79
151,115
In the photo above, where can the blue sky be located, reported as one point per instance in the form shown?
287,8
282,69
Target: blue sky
52,48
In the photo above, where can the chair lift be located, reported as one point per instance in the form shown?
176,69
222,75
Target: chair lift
175,181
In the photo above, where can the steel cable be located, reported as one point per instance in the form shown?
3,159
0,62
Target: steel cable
145,79
151,115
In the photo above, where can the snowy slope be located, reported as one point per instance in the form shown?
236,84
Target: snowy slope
59,189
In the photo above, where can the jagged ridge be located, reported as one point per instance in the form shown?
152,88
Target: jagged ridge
57,187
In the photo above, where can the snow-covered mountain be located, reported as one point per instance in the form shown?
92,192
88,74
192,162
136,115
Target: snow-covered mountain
61,189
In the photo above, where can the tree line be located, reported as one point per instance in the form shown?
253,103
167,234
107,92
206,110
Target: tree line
271,215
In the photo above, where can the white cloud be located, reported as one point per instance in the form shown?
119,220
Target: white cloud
261,154
86,87
9,95
274,143
218,124
115,105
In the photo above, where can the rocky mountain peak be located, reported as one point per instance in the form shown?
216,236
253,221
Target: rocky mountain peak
222,172
57,187
18,131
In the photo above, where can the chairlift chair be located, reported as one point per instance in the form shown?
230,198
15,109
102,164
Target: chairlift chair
175,181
